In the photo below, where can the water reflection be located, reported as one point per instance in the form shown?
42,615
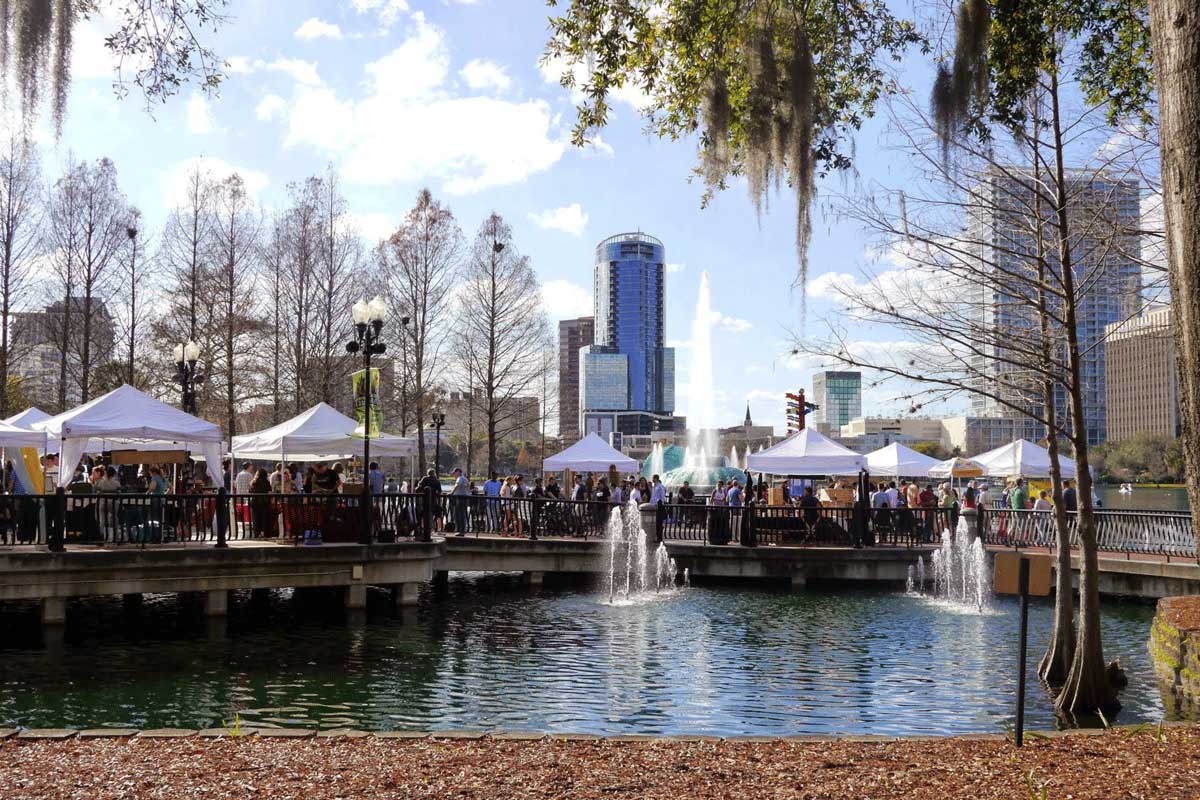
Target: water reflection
487,655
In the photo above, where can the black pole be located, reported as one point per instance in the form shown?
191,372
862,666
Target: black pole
1023,588
56,522
427,516
365,534
222,517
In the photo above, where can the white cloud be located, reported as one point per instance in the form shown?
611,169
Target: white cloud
679,344
564,299
373,225
315,28
672,268
570,219
175,179
270,107
763,395
238,65
388,11
553,69
90,58
407,126
732,324
199,115
482,74
598,147
304,72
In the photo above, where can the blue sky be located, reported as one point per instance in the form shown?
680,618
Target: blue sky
449,94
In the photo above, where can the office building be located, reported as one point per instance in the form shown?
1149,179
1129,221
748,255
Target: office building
627,376
838,397
1140,377
518,418
975,435
572,335
1105,215
37,348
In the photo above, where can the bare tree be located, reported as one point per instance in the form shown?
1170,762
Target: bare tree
65,233
418,266
103,208
502,330
993,307
301,237
337,263
185,245
134,291
235,251
21,213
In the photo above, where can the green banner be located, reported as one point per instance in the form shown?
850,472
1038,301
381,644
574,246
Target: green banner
359,384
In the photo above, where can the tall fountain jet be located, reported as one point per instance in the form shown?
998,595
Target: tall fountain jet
702,423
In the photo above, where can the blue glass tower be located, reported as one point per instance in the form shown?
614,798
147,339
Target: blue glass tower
628,357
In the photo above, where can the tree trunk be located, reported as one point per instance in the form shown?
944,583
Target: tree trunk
1056,661
1175,29
1087,688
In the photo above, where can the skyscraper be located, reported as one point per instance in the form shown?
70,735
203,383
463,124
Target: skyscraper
1104,216
627,377
1143,393
572,335
838,396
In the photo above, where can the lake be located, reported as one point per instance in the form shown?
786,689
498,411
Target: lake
489,655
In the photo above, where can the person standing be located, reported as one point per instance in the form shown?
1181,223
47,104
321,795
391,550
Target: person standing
276,479
491,493
1018,498
658,492
618,494
324,480
241,484
1070,498
458,502
893,495
375,478
260,505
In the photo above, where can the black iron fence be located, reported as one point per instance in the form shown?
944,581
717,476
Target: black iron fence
828,526
218,518
1165,533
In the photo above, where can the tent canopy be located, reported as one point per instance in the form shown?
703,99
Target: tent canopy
957,467
1022,458
322,433
16,436
806,453
27,418
899,462
128,419
590,454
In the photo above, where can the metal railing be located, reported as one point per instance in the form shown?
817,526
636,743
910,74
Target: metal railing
1164,533
142,520
824,526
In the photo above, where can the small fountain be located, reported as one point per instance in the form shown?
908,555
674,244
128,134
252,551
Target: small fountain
657,464
733,458
634,570
960,571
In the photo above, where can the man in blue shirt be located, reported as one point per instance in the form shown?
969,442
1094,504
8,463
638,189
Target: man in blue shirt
658,494
491,489
375,478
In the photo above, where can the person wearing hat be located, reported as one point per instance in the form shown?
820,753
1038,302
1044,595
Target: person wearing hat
458,502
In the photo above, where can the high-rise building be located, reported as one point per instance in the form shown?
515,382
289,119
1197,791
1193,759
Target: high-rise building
572,335
1140,378
627,376
838,396
37,348
1105,214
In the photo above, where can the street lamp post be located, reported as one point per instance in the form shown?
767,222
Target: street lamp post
187,374
438,419
368,325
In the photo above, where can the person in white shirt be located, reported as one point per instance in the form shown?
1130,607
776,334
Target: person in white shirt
618,494
241,483
893,495
658,493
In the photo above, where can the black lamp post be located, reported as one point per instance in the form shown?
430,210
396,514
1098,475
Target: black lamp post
438,419
187,374
368,324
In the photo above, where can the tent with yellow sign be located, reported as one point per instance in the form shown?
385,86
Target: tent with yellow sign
27,443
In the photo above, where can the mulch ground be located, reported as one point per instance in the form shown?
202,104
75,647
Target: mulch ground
1116,764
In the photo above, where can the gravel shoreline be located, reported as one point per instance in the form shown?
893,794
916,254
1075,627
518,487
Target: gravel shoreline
1141,762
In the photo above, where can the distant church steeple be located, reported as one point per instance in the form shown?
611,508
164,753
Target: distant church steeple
749,422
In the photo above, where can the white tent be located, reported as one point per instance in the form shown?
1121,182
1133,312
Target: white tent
128,419
957,467
1022,458
590,454
322,433
806,453
899,462
15,436
27,418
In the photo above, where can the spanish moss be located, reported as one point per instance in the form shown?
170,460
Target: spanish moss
64,22
31,33
963,86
